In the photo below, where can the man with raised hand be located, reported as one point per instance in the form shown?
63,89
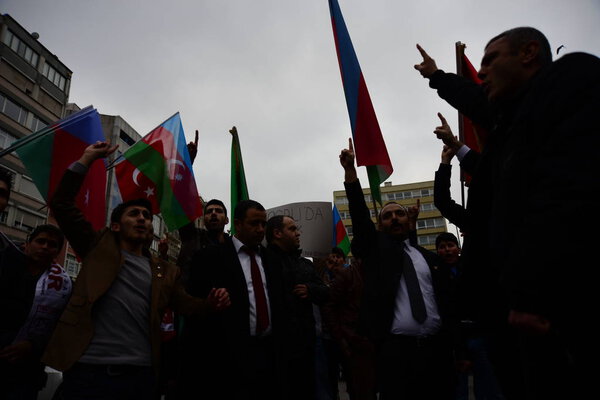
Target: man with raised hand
543,138
405,303
107,341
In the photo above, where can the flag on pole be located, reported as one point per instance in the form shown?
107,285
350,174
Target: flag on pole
48,153
158,168
340,236
470,134
369,145
239,188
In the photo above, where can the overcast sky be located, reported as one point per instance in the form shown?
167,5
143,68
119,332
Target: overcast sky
269,67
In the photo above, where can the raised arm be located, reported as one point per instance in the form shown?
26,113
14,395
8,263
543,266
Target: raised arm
362,225
193,148
461,93
347,162
77,229
427,67
442,199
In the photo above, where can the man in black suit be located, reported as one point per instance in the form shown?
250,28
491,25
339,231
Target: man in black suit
535,178
235,351
301,289
405,303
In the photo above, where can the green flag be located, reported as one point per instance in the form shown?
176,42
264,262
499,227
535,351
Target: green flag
239,189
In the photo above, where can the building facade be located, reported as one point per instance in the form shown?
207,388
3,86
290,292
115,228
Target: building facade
430,222
34,91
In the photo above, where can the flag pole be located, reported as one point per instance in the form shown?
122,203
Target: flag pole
460,51
374,204
26,140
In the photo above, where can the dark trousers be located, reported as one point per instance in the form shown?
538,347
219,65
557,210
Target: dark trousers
536,367
108,382
359,368
416,368
299,383
260,378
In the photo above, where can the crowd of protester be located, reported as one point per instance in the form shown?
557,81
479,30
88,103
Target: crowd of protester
234,319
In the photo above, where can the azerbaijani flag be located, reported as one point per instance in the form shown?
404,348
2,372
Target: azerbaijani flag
340,236
158,168
48,153
239,188
369,145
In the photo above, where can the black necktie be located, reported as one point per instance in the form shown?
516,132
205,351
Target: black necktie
417,305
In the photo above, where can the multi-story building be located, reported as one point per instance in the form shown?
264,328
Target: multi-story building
34,91
430,222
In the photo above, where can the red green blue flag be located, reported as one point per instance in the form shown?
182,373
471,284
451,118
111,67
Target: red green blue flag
369,145
159,168
340,236
48,153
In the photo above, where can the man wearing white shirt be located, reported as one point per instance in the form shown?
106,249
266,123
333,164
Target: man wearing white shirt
242,340
405,307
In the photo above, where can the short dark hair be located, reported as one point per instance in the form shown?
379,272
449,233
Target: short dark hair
339,252
215,202
445,237
243,206
517,37
275,222
7,177
117,213
50,230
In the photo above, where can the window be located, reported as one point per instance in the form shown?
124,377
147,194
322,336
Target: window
126,138
3,216
349,229
341,200
344,215
54,76
426,240
36,124
72,266
428,207
20,114
429,223
14,111
27,220
6,139
19,47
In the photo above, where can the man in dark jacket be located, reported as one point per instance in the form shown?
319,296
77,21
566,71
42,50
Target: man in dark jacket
301,288
541,116
405,303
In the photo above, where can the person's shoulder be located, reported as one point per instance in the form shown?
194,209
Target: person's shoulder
574,67
577,58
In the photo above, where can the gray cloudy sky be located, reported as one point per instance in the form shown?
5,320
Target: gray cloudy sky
269,67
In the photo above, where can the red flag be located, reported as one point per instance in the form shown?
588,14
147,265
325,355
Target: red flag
470,133
49,152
